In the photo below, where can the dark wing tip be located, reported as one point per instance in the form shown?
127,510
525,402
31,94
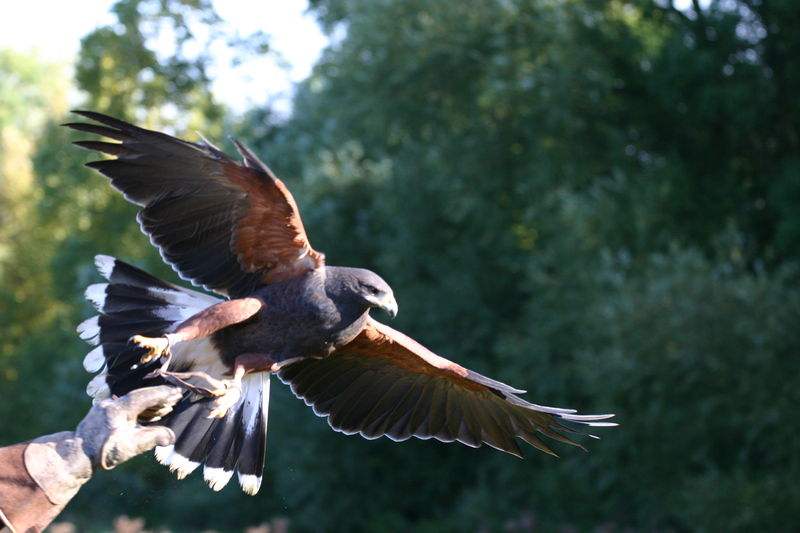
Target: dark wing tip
105,131
539,444
113,127
83,112
116,149
102,118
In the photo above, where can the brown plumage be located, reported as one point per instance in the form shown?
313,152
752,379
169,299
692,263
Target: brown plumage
235,229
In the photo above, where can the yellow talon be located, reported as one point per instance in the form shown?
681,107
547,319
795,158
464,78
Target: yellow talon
156,347
219,412
226,398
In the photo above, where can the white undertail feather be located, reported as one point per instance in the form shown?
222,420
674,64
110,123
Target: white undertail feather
105,265
250,483
162,453
89,330
96,294
180,465
255,399
255,402
94,360
98,388
217,478
185,298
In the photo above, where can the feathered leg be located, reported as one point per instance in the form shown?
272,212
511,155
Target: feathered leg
246,363
199,325
202,324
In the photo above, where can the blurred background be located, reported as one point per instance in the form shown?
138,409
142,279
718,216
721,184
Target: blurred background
597,201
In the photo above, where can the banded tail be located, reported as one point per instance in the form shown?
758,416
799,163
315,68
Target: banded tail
134,302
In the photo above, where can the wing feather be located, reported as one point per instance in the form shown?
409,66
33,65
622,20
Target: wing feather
228,226
436,415
374,424
385,383
417,423
352,415
355,402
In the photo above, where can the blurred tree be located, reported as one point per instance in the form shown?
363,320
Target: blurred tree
701,365
514,169
31,90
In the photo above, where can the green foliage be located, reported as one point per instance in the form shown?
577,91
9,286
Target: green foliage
702,358
30,90
121,72
576,199
596,201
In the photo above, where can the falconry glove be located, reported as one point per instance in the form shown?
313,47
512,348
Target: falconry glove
107,436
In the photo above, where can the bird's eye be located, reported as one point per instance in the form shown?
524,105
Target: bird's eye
373,291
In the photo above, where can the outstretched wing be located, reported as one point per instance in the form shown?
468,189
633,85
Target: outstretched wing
228,226
385,383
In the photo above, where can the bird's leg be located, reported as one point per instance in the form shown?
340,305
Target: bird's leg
201,324
231,392
227,395
197,382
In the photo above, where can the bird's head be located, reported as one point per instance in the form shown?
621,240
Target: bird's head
374,292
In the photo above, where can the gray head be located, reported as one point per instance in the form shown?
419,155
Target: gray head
363,287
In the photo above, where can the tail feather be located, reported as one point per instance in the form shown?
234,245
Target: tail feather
254,411
228,437
116,327
135,302
222,459
94,360
121,273
194,442
179,465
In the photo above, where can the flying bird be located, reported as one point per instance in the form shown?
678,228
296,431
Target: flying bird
234,229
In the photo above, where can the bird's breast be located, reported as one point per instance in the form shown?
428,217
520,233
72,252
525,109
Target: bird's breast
297,320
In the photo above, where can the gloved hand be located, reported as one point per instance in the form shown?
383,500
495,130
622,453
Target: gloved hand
107,436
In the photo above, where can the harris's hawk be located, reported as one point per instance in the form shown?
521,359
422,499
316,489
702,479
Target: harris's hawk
235,229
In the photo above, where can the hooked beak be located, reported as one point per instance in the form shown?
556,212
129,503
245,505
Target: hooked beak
388,304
